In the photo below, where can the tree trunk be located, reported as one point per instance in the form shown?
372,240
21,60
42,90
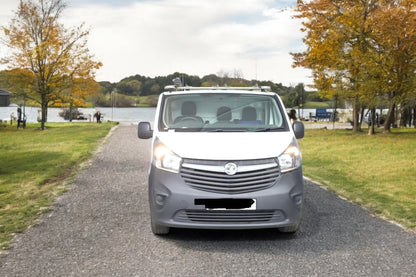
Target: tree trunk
380,115
372,128
43,118
361,118
389,118
334,115
44,107
70,112
406,117
355,115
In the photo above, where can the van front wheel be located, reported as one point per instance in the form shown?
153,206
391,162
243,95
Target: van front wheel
158,229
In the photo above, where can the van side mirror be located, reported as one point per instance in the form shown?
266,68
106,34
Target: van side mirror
299,129
144,130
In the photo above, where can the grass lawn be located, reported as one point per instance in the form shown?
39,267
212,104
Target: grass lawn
318,105
34,165
378,172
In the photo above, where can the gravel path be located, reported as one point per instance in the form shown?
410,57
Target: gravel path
100,227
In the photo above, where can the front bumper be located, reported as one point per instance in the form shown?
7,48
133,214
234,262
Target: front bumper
173,203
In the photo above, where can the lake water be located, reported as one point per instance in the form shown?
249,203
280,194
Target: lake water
122,115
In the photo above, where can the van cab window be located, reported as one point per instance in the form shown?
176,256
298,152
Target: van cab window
208,112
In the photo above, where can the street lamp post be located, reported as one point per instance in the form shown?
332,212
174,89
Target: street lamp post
113,103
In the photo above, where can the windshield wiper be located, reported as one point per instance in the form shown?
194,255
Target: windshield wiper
224,130
269,129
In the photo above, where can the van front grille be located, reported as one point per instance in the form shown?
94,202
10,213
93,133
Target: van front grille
207,176
230,216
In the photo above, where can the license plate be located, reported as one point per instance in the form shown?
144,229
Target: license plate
227,204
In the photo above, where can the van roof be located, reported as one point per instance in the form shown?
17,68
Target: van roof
186,90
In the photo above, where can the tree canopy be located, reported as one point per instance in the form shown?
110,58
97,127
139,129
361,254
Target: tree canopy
362,50
53,58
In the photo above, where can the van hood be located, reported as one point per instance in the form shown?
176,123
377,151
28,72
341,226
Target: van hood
227,145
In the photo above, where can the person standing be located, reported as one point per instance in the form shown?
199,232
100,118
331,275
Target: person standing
97,115
19,116
292,116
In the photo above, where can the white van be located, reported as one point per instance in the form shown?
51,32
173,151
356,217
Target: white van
224,158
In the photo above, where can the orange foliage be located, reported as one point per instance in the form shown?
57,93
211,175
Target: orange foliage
360,49
52,53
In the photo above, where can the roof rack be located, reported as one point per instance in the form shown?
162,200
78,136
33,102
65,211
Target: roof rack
186,88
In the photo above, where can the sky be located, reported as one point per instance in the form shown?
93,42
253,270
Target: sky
196,37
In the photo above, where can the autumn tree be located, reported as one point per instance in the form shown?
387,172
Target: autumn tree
58,57
394,33
360,50
19,81
336,37
76,93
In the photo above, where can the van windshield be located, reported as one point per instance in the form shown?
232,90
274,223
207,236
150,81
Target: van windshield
221,112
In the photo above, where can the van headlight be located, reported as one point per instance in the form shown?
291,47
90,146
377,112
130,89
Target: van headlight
165,159
290,159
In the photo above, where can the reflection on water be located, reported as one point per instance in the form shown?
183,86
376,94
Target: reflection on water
124,115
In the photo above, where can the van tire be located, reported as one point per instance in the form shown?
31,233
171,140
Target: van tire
158,229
